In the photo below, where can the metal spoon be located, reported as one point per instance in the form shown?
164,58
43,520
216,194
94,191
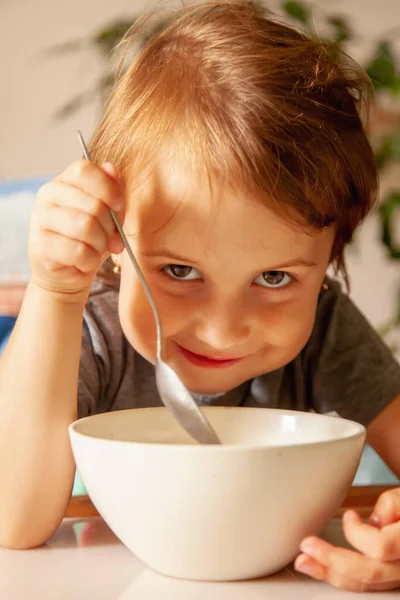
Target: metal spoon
173,393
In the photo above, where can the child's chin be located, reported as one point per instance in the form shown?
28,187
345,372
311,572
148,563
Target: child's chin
211,389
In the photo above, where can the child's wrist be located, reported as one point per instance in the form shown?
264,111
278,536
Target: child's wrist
74,299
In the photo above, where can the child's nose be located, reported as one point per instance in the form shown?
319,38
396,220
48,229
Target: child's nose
223,326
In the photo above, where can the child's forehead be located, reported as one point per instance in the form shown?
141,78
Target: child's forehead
173,204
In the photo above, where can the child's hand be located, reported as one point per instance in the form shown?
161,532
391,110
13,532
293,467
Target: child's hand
376,565
72,231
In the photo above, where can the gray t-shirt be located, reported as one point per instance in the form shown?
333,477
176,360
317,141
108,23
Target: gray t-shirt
345,367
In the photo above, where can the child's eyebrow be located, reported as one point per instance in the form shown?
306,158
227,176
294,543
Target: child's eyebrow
164,252
296,262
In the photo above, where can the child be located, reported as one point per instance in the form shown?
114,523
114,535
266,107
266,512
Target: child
233,150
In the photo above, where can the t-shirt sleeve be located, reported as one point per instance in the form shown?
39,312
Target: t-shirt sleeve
349,367
89,384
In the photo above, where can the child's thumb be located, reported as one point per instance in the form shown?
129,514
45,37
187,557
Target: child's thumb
387,509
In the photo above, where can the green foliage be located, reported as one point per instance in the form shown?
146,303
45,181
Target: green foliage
108,38
297,11
103,41
382,69
341,29
388,151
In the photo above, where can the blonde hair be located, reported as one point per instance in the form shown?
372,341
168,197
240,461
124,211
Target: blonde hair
255,102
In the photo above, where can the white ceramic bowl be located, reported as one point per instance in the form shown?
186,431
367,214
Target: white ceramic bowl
235,511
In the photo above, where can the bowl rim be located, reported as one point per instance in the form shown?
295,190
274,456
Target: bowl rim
195,447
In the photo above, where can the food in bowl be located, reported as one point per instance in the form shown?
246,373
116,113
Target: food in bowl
229,512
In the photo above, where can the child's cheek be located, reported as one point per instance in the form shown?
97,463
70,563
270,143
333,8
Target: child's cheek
137,319
288,326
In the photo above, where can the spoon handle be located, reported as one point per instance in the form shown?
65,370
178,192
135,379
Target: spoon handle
172,391
132,257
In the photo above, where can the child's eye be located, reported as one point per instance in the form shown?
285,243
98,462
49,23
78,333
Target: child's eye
274,279
182,272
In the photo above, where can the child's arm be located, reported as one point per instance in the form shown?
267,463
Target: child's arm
352,371
383,434
71,233
38,391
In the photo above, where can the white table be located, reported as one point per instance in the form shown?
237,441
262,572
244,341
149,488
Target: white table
85,561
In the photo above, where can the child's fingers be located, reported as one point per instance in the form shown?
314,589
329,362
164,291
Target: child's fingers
59,252
96,182
72,230
56,193
381,544
346,569
387,509
76,225
115,244
307,565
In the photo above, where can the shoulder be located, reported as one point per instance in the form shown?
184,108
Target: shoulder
351,369
341,330
338,317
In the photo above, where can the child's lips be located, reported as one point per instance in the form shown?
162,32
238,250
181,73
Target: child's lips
209,361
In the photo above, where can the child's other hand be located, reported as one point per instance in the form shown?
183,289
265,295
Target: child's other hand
72,231
376,565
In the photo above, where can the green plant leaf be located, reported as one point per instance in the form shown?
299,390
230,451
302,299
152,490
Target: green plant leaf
297,11
389,150
78,101
382,68
109,37
71,107
104,40
395,87
342,30
65,48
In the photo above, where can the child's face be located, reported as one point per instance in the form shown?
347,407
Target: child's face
236,284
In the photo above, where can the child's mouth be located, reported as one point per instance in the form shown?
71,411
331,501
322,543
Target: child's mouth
208,361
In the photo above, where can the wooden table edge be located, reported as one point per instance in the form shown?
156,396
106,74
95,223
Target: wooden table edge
359,498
